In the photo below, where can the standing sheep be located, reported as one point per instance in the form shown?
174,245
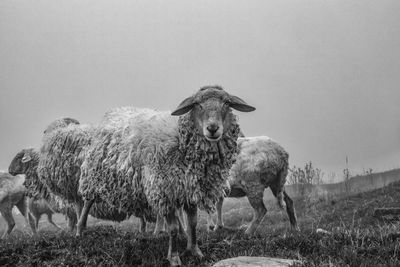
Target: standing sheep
26,162
154,163
261,163
65,142
13,193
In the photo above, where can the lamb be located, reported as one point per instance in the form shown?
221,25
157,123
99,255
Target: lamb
261,163
151,163
41,200
63,150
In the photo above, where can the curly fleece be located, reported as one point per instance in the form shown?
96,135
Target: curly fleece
144,158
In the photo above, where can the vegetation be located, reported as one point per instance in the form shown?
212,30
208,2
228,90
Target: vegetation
354,238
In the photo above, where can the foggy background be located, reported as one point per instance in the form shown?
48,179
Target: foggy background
323,75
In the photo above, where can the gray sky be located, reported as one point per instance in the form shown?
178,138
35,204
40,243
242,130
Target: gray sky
324,75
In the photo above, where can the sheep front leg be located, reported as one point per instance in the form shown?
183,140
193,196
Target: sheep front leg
83,218
210,222
192,247
173,228
159,225
142,225
220,224
72,219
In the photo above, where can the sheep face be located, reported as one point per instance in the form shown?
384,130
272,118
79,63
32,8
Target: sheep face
20,163
211,110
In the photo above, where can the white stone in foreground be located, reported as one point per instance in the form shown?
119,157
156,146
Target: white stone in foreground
245,261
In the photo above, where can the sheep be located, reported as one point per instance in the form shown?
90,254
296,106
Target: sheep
63,150
261,163
152,163
12,193
42,201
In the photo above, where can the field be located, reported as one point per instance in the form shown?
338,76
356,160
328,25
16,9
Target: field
355,237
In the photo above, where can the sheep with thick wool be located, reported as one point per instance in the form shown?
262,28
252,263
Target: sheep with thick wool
65,142
150,160
41,201
261,163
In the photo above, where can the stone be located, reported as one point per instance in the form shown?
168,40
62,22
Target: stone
245,261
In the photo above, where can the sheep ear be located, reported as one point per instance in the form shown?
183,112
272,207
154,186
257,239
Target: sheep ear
184,107
240,105
26,158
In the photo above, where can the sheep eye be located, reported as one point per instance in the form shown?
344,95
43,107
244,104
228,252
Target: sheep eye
200,106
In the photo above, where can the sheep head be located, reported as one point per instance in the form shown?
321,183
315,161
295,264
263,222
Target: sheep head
211,110
20,163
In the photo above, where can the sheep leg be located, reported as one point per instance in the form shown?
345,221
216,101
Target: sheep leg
173,228
192,247
32,223
159,225
37,219
50,219
22,207
7,215
210,222
220,223
256,201
83,218
289,207
182,222
142,225
72,220
290,211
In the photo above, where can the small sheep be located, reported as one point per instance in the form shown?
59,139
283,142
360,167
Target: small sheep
41,200
261,163
12,193
63,150
154,163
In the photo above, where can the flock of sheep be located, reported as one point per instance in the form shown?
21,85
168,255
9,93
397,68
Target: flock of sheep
149,164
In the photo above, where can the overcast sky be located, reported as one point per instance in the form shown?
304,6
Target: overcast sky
323,75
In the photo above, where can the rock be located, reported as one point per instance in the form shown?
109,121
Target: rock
245,261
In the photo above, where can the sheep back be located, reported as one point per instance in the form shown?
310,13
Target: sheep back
61,156
261,157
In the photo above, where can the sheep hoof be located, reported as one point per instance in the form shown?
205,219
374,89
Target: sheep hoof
218,227
174,260
194,251
249,231
158,232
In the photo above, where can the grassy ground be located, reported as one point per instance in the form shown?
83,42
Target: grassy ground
355,237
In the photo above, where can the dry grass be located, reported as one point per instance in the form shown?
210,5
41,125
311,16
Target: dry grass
356,238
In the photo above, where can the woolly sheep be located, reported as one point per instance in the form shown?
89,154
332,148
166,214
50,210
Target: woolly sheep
154,163
41,201
63,150
261,163
13,193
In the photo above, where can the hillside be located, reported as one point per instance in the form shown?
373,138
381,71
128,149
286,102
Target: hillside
355,238
356,184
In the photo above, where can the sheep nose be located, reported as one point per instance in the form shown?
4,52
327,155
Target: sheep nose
213,128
